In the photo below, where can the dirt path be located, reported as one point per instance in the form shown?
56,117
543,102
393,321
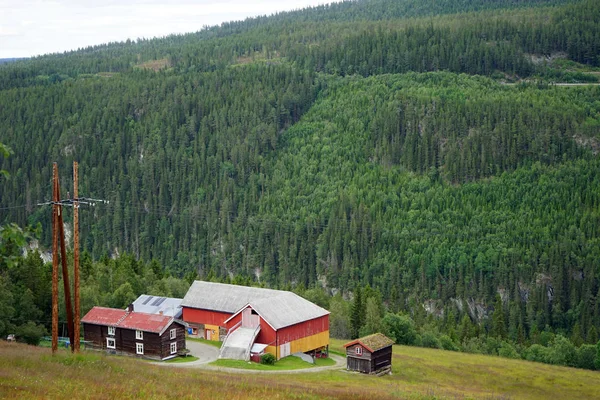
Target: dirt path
207,354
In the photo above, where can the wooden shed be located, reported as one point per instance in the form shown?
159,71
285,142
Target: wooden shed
283,321
370,354
128,332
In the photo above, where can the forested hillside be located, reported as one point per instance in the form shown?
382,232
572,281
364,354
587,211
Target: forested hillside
419,150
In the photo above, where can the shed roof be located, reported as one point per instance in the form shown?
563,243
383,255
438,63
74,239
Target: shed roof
279,308
128,320
158,305
374,342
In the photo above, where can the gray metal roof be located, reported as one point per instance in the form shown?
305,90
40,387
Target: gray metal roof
158,305
279,308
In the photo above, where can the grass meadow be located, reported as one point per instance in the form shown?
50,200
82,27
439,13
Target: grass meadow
28,372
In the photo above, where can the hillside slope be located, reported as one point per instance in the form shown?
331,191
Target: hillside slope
370,143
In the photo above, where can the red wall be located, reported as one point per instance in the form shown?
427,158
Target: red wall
200,316
303,329
267,335
233,321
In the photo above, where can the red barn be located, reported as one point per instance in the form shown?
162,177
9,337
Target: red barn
241,316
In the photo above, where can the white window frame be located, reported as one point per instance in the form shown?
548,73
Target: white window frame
173,347
114,343
139,335
139,348
358,351
172,333
111,330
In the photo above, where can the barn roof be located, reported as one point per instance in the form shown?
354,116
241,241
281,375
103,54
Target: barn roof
374,342
279,308
158,305
128,320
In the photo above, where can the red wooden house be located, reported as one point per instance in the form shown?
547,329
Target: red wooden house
242,316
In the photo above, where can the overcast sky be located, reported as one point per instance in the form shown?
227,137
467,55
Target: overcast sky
30,27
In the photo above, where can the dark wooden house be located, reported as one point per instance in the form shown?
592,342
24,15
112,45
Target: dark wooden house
128,332
370,354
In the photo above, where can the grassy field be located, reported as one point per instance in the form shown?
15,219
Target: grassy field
31,372
178,360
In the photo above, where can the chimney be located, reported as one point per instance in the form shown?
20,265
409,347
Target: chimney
130,308
161,312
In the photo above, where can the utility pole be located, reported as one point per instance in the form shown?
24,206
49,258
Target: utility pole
75,344
55,208
58,231
65,275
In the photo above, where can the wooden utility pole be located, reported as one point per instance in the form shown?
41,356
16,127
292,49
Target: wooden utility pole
55,208
58,231
65,275
75,344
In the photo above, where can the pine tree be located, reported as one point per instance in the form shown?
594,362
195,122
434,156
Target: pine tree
357,313
498,324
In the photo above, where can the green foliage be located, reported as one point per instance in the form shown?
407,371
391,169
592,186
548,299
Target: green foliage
447,343
400,327
357,312
372,318
339,319
317,296
508,350
429,339
562,352
267,359
598,356
586,357
537,352
30,333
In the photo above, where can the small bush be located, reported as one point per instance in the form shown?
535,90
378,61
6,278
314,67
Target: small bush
447,343
586,356
30,333
474,345
401,328
562,352
267,359
429,339
537,352
508,350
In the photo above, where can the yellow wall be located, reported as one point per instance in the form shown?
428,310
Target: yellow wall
310,342
303,345
272,350
214,328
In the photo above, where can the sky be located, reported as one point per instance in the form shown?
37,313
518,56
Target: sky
35,27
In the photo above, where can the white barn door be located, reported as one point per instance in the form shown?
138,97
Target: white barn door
249,320
284,350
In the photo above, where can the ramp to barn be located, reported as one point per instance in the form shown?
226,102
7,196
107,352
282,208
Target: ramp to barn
238,343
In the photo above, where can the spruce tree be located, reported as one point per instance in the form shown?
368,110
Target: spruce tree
357,313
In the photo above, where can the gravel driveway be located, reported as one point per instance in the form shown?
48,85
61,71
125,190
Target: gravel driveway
207,354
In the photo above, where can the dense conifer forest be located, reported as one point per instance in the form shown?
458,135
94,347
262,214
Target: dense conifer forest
411,165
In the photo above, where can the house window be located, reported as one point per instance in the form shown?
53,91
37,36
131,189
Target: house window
358,351
173,347
139,335
111,343
111,330
139,348
173,333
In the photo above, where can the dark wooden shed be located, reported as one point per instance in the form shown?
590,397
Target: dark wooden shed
370,354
